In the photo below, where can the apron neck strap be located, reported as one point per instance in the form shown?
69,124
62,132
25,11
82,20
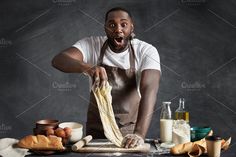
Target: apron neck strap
102,52
131,54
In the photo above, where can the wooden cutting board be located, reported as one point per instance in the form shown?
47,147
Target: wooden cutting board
108,147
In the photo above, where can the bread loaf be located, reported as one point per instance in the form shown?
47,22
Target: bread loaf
188,147
41,142
182,148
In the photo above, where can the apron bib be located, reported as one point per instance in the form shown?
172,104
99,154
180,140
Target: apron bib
125,98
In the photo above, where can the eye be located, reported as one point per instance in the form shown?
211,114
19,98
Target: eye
112,25
124,24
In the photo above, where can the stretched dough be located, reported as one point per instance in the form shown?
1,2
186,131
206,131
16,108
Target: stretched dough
104,103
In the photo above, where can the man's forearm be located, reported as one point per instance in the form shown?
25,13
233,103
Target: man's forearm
66,62
148,88
145,113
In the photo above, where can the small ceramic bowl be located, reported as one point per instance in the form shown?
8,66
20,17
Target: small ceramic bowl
198,133
76,130
43,125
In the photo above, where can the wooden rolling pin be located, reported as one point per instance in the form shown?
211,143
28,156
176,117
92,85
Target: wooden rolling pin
82,142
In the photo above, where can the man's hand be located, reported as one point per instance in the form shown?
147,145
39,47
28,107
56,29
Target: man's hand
71,61
99,75
132,140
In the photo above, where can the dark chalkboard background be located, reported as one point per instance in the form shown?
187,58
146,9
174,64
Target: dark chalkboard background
196,43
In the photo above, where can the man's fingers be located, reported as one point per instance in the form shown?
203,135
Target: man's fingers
124,142
96,78
100,77
132,140
128,142
104,73
103,85
103,77
134,143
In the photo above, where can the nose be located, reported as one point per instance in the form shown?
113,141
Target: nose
118,29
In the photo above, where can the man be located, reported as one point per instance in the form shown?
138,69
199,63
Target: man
132,68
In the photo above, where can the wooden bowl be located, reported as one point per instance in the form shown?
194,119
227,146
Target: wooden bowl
43,125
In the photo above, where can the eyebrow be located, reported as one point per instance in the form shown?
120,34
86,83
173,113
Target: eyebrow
120,20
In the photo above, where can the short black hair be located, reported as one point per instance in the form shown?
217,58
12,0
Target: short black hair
118,9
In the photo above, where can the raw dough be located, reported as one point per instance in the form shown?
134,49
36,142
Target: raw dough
104,100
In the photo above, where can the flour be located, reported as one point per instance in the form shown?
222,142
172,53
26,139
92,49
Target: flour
181,132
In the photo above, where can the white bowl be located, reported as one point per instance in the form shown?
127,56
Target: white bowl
76,130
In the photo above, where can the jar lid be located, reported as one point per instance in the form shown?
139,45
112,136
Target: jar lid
213,138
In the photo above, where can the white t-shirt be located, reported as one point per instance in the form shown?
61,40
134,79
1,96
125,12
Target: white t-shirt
146,55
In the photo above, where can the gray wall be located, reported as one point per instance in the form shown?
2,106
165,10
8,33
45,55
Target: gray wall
196,46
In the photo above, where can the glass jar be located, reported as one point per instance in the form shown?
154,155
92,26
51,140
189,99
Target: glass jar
166,123
181,112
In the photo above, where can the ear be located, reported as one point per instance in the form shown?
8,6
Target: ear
132,27
105,28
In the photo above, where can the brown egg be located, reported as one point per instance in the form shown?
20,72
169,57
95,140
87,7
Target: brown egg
67,131
60,133
49,131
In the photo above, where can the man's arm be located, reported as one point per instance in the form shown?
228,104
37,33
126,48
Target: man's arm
71,61
149,85
148,88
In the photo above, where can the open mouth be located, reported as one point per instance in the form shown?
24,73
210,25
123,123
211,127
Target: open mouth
119,41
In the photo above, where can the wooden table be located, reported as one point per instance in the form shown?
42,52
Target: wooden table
229,153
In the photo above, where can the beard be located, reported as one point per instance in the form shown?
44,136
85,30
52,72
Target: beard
118,43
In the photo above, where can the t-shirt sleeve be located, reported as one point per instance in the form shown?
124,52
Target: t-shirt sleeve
84,46
151,59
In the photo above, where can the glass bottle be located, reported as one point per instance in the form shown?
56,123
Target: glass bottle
181,112
166,123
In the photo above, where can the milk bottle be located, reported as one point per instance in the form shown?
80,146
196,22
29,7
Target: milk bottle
166,123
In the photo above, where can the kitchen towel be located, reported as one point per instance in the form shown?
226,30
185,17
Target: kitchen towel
8,148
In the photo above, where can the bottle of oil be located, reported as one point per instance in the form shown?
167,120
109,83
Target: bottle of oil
181,112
